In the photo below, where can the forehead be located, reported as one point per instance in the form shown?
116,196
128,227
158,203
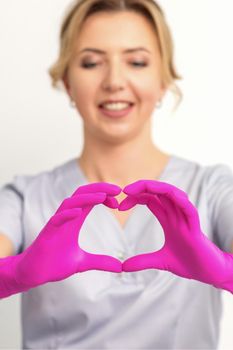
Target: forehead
114,30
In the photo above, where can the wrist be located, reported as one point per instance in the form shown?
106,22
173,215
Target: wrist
227,280
8,281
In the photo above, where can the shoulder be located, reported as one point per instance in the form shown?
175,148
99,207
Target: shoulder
202,182
208,174
22,183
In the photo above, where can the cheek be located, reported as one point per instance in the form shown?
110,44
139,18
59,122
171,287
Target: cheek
82,91
82,85
147,89
84,95
148,93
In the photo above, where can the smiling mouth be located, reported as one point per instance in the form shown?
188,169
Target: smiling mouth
116,102
117,113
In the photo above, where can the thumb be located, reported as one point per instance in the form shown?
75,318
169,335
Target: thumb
139,262
100,262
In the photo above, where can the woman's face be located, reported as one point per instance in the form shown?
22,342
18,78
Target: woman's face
133,76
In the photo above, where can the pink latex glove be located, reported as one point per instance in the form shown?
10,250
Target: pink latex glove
187,252
55,254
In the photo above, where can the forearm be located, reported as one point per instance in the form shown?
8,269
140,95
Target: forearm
226,277
8,283
6,246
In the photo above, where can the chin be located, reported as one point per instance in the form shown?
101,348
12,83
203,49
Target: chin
118,137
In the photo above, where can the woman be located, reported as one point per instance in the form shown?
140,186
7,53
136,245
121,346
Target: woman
116,64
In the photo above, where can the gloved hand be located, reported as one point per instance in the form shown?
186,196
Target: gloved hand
55,254
187,252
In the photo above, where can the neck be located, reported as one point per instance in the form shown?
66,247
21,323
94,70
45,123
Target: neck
122,163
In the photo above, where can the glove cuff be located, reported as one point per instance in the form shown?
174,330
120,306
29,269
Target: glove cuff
8,282
227,280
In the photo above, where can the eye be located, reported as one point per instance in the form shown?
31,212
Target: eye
139,64
88,65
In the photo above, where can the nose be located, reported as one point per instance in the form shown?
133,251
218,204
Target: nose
114,78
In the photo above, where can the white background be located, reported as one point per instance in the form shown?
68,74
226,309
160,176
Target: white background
39,130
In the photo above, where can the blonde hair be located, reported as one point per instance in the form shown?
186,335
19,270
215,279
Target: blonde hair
78,12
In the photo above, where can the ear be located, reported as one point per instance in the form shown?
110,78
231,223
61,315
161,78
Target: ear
163,91
66,84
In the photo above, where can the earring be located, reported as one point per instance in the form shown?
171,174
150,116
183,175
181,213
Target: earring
159,104
72,104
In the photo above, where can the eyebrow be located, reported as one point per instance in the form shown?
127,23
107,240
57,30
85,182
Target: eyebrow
101,52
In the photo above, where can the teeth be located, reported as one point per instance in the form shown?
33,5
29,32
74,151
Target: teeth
116,106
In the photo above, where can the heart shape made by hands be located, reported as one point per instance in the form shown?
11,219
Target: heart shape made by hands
187,252
176,214
55,254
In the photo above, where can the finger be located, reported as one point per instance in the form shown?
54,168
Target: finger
127,203
135,188
105,187
163,188
191,214
82,200
130,201
152,186
99,262
111,202
174,215
76,201
152,202
185,210
139,262
169,196
157,209
64,216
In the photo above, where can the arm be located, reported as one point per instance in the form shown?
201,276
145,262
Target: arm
34,266
187,251
6,246
6,256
